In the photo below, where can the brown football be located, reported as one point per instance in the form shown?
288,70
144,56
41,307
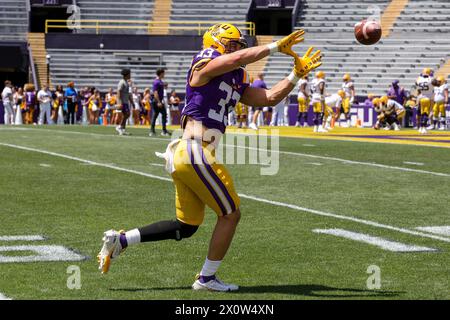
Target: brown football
368,32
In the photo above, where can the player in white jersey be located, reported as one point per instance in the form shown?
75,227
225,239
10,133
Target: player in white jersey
317,87
392,111
303,102
349,89
333,101
440,102
424,98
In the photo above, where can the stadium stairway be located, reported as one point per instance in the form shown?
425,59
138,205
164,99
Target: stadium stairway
391,14
161,12
259,66
37,44
444,70
14,20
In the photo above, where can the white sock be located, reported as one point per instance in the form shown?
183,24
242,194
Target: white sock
210,267
133,236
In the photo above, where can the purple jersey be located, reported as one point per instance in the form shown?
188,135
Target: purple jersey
210,103
158,86
30,98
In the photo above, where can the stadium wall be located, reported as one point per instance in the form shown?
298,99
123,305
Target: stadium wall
127,42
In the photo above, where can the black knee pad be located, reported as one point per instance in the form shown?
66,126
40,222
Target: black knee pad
185,230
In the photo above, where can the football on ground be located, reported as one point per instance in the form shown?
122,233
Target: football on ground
368,32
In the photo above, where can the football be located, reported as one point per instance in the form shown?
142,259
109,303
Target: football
368,32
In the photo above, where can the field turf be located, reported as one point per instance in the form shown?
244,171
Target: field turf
70,184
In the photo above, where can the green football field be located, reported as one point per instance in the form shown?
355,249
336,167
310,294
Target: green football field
339,220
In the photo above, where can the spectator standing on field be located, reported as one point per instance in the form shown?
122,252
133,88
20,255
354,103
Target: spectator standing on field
71,96
8,103
44,97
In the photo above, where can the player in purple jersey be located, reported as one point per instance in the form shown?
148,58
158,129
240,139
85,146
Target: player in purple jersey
216,81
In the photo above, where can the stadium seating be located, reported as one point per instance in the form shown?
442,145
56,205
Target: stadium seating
13,19
102,69
116,10
330,24
209,10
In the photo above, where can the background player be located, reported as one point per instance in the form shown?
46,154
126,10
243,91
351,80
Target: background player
333,101
317,86
440,102
349,89
424,98
303,102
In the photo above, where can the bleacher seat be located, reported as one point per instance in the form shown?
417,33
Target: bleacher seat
116,10
13,20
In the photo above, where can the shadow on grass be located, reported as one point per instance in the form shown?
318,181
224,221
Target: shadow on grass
309,290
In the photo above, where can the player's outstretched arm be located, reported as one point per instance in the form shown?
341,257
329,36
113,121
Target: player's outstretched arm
258,97
232,61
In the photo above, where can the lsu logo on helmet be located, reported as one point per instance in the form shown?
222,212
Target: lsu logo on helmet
222,37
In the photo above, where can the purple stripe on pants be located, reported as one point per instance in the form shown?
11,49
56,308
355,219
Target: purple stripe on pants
202,177
219,182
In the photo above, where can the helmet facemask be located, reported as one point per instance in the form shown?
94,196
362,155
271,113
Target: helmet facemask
233,45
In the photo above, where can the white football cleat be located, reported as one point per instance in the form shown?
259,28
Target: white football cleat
396,127
322,130
214,285
253,126
441,128
316,129
110,250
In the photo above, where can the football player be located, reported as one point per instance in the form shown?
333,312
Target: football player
381,120
241,115
424,98
333,101
303,102
440,102
393,112
349,89
317,87
215,82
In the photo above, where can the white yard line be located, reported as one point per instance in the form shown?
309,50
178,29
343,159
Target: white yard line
299,154
157,164
86,161
3,297
414,163
258,199
441,230
22,238
375,241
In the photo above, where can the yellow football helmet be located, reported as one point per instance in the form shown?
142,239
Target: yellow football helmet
426,71
384,99
341,94
376,101
441,79
347,77
370,96
320,75
220,36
